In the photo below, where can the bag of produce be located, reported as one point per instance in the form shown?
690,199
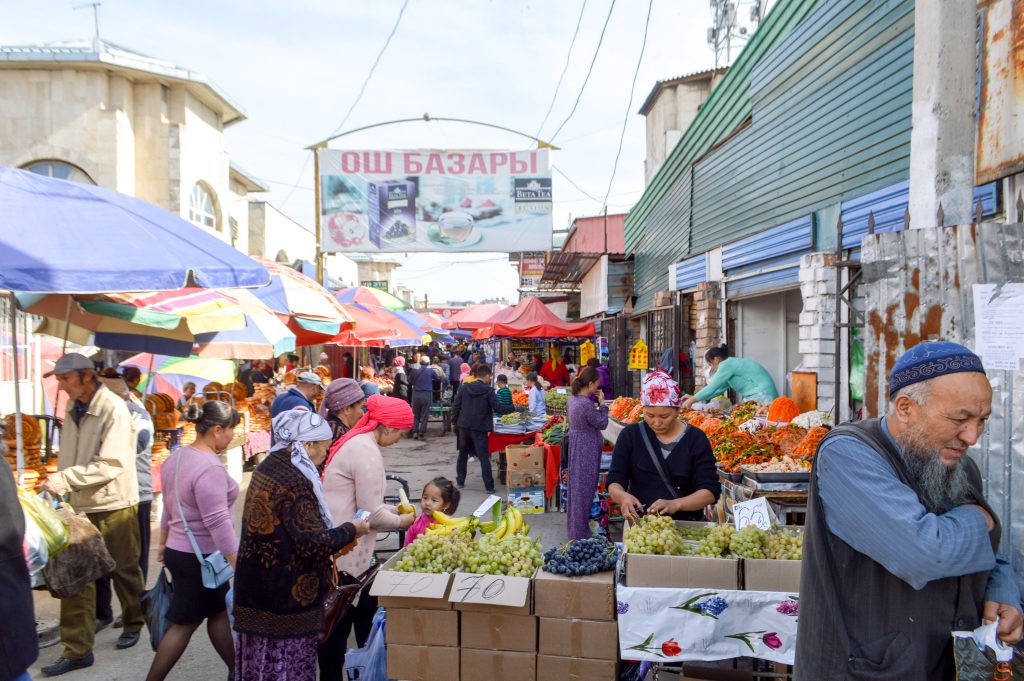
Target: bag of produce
44,517
155,604
36,551
370,663
85,559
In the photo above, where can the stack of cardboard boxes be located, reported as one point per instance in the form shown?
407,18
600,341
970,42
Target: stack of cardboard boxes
525,477
579,636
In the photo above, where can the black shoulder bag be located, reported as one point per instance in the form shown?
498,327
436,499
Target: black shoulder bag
656,460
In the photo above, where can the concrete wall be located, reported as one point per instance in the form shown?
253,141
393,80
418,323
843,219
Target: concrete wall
238,212
273,234
201,157
673,111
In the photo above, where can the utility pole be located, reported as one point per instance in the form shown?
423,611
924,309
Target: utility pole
316,201
95,16
942,139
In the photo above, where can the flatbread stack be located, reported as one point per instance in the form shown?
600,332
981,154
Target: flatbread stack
32,440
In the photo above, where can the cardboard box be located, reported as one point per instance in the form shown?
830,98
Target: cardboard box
591,597
492,631
682,571
556,668
524,457
423,663
771,575
525,478
706,672
497,665
423,627
414,590
496,594
527,499
587,639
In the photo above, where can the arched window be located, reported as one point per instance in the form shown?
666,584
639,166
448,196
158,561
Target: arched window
202,208
60,170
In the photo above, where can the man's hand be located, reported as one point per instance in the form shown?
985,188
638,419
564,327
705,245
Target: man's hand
47,486
664,507
1011,621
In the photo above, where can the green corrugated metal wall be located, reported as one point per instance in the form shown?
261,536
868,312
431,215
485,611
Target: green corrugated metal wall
831,120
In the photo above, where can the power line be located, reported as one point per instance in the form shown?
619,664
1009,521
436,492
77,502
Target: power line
355,102
629,106
590,70
578,188
373,68
564,69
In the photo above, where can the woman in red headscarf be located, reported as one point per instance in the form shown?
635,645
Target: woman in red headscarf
354,481
554,370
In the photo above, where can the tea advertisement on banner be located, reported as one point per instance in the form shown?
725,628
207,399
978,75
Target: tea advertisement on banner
442,201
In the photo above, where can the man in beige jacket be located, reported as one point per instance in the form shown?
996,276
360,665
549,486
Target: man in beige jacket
97,472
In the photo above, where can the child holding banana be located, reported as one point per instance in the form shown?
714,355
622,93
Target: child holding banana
440,496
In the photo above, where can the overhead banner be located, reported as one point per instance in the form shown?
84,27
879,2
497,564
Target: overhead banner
446,201
531,269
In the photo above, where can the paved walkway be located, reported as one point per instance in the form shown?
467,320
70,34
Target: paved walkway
417,462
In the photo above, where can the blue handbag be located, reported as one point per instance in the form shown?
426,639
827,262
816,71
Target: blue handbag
214,568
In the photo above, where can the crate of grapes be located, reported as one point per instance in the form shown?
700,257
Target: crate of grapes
771,560
416,577
666,553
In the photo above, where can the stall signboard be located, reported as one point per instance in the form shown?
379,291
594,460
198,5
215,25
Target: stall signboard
383,285
586,352
638,356
380,201
531,269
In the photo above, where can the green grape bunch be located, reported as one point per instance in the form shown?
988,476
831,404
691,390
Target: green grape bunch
750,542
657,535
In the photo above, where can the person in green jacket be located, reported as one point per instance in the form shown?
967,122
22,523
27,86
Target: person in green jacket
503,392
751,380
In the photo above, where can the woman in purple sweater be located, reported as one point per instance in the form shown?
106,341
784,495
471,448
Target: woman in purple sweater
195,476
586,421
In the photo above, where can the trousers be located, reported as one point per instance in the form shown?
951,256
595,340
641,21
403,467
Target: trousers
104,595
120,531
474,443
421,410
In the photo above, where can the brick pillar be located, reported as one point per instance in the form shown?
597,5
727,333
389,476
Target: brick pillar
708,302
817,322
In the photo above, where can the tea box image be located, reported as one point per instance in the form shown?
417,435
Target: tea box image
391,205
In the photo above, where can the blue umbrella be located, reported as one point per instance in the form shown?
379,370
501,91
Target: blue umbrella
64,237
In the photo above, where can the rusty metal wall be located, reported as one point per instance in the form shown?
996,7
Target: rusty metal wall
1000,89
918,286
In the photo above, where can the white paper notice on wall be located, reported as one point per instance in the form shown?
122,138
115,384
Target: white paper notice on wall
753,512
999,325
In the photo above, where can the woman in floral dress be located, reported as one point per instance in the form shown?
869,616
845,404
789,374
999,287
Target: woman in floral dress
283,567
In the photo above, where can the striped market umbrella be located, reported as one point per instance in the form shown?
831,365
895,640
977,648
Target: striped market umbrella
172,373
365,295
310,311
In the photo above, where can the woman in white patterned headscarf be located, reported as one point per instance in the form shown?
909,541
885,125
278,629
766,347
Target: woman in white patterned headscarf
308,437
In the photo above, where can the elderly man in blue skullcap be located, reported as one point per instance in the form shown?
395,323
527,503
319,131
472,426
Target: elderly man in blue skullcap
901,546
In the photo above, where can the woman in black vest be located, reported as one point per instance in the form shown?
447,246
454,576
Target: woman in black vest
661,465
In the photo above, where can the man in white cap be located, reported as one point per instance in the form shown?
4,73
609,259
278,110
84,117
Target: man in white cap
96,468
308,386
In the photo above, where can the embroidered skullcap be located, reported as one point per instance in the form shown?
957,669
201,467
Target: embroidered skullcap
660,390
932,359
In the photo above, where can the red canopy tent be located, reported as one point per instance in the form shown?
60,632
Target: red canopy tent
474,316
532,319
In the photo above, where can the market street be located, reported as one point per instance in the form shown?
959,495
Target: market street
417,462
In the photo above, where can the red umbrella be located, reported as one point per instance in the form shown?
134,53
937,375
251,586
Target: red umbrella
474,316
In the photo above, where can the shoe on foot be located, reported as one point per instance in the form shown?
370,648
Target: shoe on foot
127,640
119,622
103,622
490,491
460,483
64,665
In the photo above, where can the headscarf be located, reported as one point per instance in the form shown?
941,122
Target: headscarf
399,361
380,411
555,355
464,368
291,429
341,393
660,390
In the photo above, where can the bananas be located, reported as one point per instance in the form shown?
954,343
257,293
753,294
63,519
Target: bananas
510,523
404,507
445,524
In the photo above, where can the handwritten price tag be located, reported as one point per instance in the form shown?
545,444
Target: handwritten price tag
753,512
492,589
489,502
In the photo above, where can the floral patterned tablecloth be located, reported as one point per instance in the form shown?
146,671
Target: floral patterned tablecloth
662,625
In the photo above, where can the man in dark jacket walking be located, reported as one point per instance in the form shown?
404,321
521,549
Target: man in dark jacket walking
455,371
473,414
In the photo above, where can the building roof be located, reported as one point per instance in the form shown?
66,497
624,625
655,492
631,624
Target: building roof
587,235
696,77
246,179
105,55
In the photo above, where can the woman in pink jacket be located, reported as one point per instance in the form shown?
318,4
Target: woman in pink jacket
354,481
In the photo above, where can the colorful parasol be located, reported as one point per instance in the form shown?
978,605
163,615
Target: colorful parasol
310,311
366,295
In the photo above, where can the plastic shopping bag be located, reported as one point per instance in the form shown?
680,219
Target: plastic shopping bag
45,517
981,656
369,663
85,559
36,551
155,604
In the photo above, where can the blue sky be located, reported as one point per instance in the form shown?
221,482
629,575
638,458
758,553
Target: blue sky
295,68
